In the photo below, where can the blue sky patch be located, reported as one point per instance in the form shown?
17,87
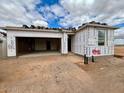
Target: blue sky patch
49,2
54,23
120,25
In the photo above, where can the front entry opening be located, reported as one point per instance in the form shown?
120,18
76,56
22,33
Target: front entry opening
69,43
28,45
48,44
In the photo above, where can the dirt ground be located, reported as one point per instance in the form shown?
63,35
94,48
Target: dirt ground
107,74
119,51
61,74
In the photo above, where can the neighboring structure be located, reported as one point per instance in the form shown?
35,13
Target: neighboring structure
119,39
119,42
3,47
91,39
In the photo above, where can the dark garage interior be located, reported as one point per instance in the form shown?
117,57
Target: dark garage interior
26,45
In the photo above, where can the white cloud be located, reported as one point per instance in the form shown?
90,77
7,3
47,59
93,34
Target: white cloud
53,12
18,12
58,10
81,11
46,11
72,12
76,7
40,23
119,34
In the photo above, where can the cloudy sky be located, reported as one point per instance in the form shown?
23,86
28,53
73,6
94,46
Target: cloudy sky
62,13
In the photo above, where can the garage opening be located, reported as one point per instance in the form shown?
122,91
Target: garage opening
28,45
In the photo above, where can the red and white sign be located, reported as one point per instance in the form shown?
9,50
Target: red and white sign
96,52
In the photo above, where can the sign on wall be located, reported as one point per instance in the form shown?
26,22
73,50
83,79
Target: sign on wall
96,52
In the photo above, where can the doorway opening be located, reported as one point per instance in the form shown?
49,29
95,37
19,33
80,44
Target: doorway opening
48,45
69,43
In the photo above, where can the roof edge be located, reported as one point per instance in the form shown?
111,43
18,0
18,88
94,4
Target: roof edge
97,25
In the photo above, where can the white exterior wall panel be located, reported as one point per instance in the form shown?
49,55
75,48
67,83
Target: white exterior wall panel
79,42
108,48
86,40
34,34
11,40
64,43
3,49
11,46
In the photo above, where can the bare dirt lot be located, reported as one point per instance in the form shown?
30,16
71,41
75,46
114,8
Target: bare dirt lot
107,74
119,51
61,74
